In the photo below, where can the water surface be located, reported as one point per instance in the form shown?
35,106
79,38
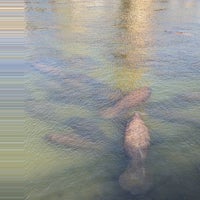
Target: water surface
100,50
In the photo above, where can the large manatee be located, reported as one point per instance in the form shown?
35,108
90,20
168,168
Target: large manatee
137,138
134,98
71,140
136,143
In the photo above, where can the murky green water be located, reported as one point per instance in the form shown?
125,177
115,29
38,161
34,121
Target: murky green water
100,50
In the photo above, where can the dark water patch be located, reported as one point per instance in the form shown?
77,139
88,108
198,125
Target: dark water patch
185,138
121,123
71,96
92,99
84,62
104,168
56,62
160,9
40,111
180,101
173,178
176,183
86,127
182,71
58,73
83,84
80,91
173,117
156,139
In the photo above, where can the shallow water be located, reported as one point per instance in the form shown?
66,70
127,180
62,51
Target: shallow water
99,51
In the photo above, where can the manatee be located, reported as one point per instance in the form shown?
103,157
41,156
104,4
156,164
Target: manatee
73,80
192,97
79,88
137,138
181,33
48,69
136,143
135,180
88,127
134,98
41,110
71,140
184,33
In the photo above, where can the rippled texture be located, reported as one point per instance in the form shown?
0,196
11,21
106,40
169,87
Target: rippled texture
84,56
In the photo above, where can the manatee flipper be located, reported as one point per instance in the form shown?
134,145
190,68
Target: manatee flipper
135,180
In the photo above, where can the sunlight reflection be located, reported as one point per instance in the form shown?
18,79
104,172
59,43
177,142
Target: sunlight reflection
135,38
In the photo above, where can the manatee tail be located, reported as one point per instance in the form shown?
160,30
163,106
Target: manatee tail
135,181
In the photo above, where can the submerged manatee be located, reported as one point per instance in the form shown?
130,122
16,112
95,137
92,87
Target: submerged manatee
179,32
137,138
192,96
136,143
48,69
88,128
71,140
78,88
135,180
134,98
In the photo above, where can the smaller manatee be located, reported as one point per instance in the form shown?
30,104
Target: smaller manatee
193,96
71,140
134,98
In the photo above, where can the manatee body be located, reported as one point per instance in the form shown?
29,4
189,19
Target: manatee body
79,88
48,69
72,79
134,98
71,140
192,97
137,138
136,143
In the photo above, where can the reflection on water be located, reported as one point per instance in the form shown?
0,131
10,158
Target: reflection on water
134,39
84,57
